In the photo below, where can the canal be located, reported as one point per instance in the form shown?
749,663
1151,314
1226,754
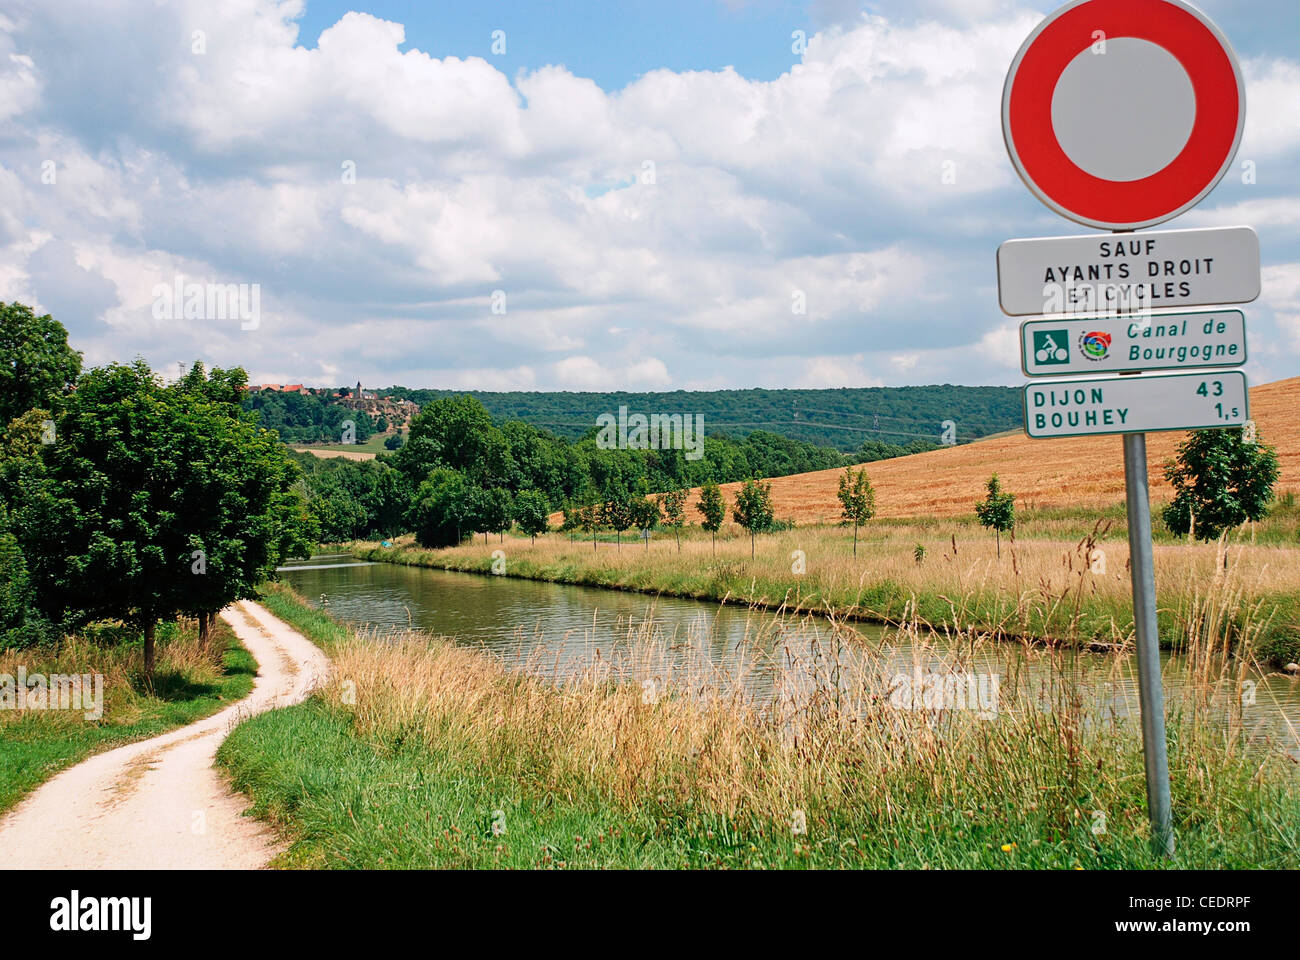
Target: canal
561,631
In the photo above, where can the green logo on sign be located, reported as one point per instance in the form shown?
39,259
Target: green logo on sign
1051,346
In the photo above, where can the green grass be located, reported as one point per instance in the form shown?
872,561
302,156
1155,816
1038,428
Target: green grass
405,799
39,744
316,625
373,444
349,803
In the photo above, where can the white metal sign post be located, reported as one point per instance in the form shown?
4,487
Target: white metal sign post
1120,115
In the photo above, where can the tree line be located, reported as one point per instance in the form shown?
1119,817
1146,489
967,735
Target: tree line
844,419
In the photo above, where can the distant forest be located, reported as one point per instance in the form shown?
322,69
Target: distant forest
846,419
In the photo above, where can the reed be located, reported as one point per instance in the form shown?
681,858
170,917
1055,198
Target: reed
1050,589
828,762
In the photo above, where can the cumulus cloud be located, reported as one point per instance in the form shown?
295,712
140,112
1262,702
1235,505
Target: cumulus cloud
431,221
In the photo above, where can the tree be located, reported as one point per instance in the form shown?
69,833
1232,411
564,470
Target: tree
619,512
493,510
589,519
154,502
572,520
532,512
714,509
1220,480
645,513
673,505
448,432
443,509
997,510
857,500
394,442
753,509
356,499
20,623
37,366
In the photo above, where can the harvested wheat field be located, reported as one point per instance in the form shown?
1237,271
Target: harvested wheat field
1042,473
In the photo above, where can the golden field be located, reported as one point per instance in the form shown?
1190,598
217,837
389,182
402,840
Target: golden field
1069,473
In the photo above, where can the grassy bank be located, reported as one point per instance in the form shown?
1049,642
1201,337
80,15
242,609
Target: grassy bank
190,683
420,753
1069,591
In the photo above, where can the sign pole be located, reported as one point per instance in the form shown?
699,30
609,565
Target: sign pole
1164,60
1150,694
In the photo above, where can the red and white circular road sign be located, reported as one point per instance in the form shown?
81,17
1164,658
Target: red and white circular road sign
1122,114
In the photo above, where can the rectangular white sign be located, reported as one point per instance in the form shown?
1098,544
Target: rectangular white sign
1168,341
1138,404
1125,273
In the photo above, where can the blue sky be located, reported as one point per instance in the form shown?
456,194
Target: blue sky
649,196
612,43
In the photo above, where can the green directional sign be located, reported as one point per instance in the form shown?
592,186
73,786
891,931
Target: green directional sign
1133,344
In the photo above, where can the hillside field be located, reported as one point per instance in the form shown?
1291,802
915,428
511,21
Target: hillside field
1073,473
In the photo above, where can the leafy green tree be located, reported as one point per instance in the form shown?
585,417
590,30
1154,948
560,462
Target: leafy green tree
338,514
673,505
753,510
155,502
572,520
240,473
997,510
443,509
21,625
356,499
37,366
394,442
450,432
532,512
857,500
645,513
714,509
20,452
1220,480
493,511
619,512
224,387
590,519
307,418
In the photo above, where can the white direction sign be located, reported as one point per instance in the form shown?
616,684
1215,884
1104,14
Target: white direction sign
1129,273
1140,404
1169,341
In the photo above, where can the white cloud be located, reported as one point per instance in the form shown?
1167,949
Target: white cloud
827,181
820,372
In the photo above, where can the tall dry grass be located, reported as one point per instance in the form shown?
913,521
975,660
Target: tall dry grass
1059,590
833,746
181,660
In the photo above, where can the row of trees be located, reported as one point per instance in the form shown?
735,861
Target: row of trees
122,498
624,511
458,432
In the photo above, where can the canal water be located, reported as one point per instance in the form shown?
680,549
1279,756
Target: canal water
561,631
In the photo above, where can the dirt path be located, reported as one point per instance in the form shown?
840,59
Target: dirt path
159,803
